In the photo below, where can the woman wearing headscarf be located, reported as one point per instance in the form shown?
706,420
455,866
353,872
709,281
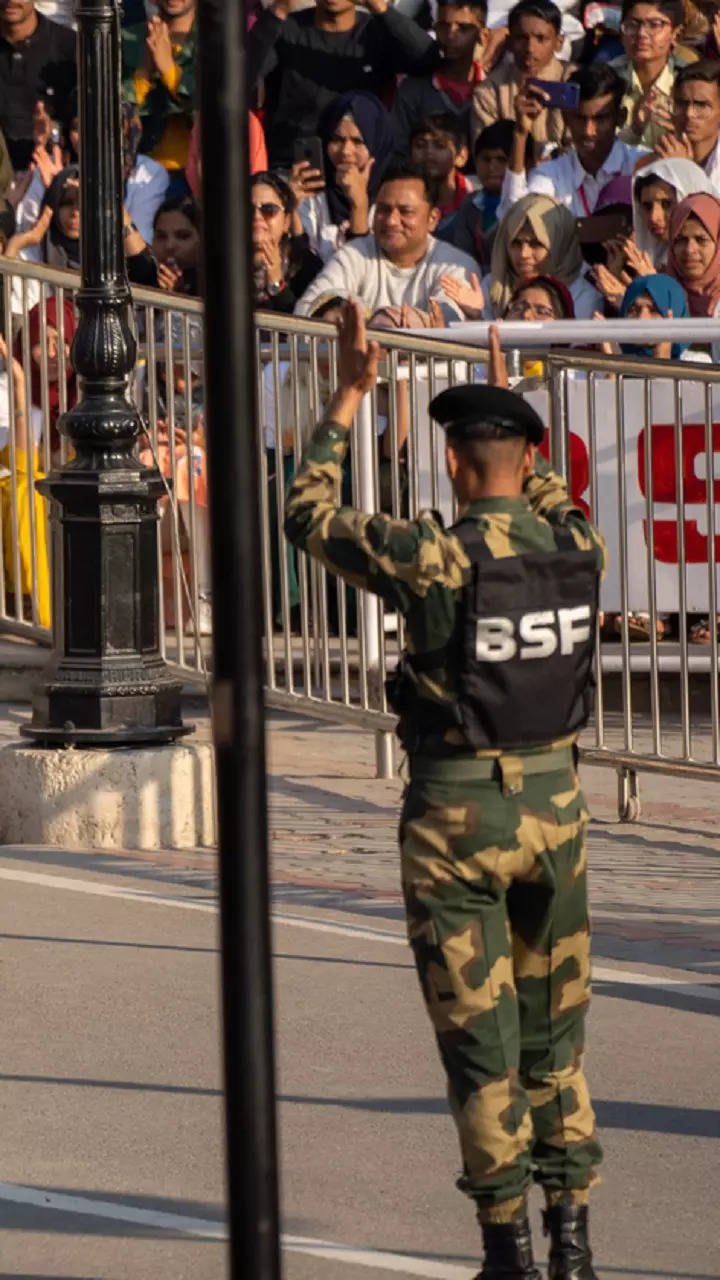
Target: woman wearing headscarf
61,246
358,144
694,256
656,297
537,236
55,236
657,188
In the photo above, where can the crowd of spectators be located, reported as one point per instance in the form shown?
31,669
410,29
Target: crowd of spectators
563,162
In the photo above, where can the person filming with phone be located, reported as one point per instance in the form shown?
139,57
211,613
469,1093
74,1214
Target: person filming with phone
337,175
534,41
597,155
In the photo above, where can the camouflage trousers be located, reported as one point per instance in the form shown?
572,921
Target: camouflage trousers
495,886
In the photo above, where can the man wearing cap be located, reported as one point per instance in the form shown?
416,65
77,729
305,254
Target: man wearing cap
493,690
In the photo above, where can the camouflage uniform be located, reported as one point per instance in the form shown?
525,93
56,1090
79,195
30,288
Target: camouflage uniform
492,852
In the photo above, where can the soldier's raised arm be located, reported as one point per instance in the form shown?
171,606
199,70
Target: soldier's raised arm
396,559
546,490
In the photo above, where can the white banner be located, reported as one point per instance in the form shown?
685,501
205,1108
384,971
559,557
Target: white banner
697,471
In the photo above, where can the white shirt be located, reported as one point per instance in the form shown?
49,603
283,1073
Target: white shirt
144,193
712,167
361,270
36,418
565,180
325,236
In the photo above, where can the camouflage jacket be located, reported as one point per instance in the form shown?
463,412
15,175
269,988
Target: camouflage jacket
417,566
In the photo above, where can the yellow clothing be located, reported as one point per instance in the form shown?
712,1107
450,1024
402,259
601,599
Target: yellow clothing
24,498
663,85
172,149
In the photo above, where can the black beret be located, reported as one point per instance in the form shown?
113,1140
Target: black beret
465,411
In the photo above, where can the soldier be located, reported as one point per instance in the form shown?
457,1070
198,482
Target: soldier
493,689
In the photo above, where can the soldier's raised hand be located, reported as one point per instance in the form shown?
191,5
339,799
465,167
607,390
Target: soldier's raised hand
357,358
497,374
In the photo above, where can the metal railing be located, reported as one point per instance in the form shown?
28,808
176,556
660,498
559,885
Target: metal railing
328,646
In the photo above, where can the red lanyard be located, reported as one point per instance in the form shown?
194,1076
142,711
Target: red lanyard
583,197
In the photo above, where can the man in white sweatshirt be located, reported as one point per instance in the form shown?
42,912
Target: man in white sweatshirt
401,261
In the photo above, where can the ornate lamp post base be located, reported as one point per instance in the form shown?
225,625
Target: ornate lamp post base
106,683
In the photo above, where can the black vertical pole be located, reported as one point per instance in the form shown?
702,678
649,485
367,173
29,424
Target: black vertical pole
237,606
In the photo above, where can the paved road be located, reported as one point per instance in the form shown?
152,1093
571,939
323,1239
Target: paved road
111,1103
111,1109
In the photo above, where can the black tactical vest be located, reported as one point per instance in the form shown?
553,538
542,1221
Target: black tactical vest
522,654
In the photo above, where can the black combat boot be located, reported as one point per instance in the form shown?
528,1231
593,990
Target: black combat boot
570,1253
508,1252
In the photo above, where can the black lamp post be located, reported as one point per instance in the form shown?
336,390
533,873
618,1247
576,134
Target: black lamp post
106,682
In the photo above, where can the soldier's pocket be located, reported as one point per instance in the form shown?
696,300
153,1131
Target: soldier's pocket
571,817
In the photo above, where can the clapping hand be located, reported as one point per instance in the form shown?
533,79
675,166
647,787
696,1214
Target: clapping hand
672,147
468,297
159,47
653,107
640,262
47,165
612,288
37,233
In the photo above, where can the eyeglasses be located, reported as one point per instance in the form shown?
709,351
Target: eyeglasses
518,310
267,210
633,26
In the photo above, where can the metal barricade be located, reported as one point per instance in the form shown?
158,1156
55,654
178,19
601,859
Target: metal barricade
39,322
640,440
639,449
329,646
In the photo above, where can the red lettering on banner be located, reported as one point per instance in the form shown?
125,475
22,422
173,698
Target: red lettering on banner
579,466
664,487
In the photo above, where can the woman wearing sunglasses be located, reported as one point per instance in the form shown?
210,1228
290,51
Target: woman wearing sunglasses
283,263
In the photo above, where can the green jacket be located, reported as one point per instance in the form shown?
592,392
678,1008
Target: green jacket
159,103
415,565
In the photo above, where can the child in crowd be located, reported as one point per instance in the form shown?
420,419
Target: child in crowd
461,35
438,145
649,64
534,41
471,228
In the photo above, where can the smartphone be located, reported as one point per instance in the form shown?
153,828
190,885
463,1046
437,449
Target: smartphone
565,96
311,150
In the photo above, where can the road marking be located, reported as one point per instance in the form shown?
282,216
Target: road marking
619,977
401,1263
95,888
346,930
206,1229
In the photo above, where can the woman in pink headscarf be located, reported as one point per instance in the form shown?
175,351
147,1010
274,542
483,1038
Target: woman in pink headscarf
694,258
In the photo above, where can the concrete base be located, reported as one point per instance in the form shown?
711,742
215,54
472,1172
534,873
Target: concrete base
128,798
